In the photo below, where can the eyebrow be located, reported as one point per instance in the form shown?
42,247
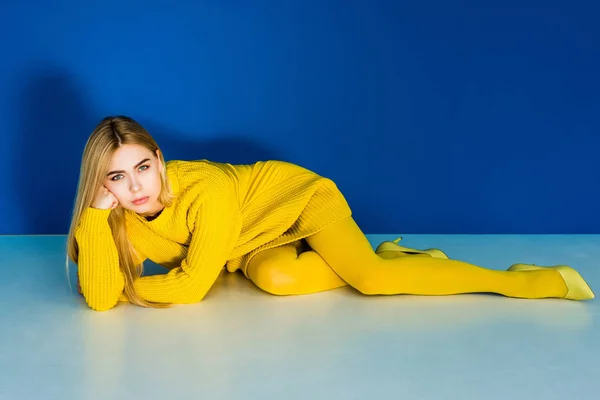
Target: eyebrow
122,172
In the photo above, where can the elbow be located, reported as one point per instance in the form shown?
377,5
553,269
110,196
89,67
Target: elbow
101,297
192,294
104,306
192,298
103,303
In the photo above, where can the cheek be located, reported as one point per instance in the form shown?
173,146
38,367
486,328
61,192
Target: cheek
118,189
154,183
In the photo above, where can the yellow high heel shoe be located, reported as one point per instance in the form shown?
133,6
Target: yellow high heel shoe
391,249
577,288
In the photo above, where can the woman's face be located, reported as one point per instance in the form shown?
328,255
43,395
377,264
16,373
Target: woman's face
134,174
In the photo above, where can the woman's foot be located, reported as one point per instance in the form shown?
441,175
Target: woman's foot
577,288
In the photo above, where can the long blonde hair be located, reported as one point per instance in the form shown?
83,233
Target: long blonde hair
110,134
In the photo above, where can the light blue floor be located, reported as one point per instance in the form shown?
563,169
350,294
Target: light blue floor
241,343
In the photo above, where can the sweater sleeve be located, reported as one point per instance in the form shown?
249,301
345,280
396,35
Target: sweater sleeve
100,277
216,228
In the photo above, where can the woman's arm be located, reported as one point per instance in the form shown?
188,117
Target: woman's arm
215,231
100,277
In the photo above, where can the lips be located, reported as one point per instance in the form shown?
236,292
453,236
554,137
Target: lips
140,200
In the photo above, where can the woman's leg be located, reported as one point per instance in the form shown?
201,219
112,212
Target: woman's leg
296,269
292,269
347,251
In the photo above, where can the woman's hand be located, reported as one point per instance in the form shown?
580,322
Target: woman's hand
104,199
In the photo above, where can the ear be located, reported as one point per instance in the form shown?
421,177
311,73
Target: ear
160,164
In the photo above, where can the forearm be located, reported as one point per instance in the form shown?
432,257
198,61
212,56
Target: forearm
100,277
217,225
177,286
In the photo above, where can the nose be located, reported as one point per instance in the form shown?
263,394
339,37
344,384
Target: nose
135,185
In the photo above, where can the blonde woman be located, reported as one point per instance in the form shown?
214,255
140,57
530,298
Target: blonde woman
289,230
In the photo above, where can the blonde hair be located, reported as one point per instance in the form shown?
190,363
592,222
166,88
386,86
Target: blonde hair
110,134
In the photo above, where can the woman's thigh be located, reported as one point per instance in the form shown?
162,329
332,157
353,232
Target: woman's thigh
292,269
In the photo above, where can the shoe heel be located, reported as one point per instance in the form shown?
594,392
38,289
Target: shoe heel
393,246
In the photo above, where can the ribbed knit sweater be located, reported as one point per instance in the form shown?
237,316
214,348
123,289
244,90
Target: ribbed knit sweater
222,216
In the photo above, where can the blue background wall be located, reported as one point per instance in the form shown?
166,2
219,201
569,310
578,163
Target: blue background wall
432,116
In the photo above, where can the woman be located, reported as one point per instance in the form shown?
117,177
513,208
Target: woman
289,230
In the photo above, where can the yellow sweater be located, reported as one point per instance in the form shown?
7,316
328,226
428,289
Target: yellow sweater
223,215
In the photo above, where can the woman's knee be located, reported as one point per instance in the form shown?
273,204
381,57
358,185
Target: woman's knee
365,285
272,277
367,280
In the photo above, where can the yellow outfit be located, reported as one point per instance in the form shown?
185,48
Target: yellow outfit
290,231
223,215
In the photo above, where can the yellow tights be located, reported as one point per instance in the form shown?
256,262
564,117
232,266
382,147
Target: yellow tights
341,255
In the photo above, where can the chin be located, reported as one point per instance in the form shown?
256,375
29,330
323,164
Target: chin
148,206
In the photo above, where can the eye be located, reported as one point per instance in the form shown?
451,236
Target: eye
143,168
